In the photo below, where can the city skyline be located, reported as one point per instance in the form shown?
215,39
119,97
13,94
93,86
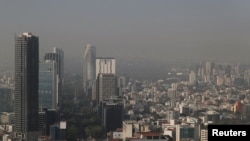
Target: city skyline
123,70
159,31
200,95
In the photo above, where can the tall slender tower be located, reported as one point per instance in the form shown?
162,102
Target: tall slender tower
26,86
89,68
58,56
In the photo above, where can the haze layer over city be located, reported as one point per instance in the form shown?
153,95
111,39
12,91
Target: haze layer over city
124,70
136,33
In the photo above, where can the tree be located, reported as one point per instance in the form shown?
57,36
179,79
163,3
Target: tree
72,133
95,131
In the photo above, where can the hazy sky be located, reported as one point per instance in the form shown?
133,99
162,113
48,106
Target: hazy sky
154,30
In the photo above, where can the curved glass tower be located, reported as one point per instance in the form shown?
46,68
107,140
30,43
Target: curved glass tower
89,67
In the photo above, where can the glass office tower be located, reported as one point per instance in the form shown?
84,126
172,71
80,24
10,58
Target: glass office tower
26,86
89,68
48,92
58,56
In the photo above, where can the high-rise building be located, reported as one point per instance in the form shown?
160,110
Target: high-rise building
26,86
112,114
89,68
58,56
48,85
123,81
47,117
209,67
51,117
105,65
106,87
192,77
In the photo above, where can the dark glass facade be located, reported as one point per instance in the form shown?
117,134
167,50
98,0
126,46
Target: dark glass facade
112,116
26,84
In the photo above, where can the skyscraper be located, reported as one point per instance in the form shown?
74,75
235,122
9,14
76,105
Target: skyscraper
48,86
192,77
106,86
105,65
58,56
26,86
105,69
89,67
